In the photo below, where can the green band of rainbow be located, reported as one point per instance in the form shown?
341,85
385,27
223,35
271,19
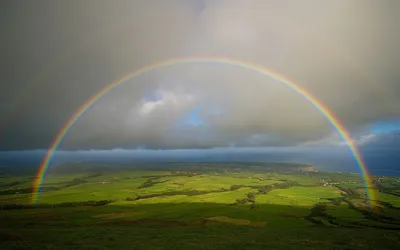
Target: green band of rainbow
336,124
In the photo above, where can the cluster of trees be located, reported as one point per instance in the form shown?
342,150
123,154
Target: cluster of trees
16,191
45,189
153,179
248,199
85,203
183,173
319,211
150,182
75,182
64,204
264,189
235,187
94,175
187,192
10,184
389,190
286,184
389,205
173,173
261,190
20,206
349,192
337,201
241,201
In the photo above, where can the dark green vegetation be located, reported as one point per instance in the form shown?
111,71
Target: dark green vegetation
198,206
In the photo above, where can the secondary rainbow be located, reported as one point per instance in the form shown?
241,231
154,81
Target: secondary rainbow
335,123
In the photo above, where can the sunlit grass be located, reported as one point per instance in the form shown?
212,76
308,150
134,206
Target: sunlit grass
299,196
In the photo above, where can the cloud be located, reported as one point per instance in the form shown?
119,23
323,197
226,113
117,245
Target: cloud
167,99
55,58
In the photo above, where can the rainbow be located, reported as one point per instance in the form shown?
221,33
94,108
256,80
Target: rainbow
335,123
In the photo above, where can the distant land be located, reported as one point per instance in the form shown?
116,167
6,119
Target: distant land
378,162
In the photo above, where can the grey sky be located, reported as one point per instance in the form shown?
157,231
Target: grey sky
56,54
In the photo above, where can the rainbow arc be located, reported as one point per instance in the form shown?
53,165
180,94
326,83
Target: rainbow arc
317,104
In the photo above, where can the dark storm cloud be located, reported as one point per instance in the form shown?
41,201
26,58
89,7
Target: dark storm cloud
55,55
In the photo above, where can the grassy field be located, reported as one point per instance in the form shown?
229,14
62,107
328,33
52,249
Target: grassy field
199,208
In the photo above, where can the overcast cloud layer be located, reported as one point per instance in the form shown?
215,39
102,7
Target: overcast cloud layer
56,54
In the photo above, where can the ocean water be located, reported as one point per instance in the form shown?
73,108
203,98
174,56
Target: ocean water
379,162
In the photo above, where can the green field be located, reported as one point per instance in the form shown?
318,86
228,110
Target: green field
212,206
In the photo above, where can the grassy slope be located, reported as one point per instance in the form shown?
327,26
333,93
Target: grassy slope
208,220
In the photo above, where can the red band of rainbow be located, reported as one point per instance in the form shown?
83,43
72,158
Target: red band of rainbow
336,124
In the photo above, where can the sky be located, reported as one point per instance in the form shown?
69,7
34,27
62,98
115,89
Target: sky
385,126
57,54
